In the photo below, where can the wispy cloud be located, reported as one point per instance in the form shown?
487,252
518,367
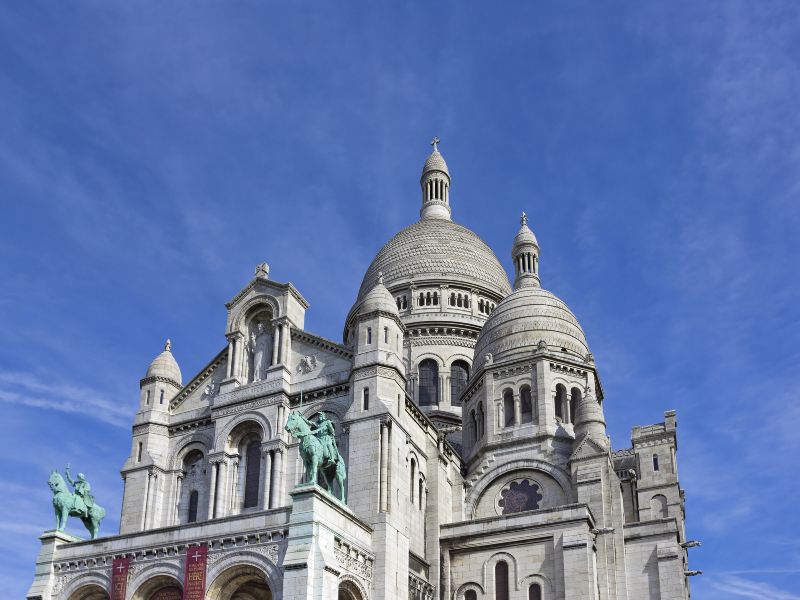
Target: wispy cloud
739,587
28,390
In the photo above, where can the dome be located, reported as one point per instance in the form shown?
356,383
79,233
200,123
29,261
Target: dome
378,298
521,320
436,249
435,162
164,365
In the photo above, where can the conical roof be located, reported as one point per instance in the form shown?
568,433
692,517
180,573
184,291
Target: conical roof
164,365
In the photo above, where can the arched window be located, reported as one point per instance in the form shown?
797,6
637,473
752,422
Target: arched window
428,382
161,397
385,335
421,299
436,298
428,299
480,420
658,507
460,300
193,499
466,301
405,302
508,408
459,374
369,335
419,485
147,399
561,396
411,482
480,305
655,462
252,474
365,403
526,404
399,304
470,595
535,592
574,400
139,452
501,580
452,299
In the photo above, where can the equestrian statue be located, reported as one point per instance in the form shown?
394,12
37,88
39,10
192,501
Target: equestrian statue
78,504
318,450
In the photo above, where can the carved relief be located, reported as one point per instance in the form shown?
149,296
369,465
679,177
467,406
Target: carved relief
307,364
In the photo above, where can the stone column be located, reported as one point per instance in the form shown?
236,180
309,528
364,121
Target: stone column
229,372
277,464
233,504
212,491
241,345
286,334
276,336
517,409
146,503
222,478
266,479
176,518
152,520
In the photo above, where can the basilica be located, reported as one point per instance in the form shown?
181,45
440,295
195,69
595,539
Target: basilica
468,417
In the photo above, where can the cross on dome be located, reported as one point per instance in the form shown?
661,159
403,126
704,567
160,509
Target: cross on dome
435,143
523,220
168,345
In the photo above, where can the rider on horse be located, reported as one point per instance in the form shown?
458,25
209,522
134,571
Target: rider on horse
82,491
326,434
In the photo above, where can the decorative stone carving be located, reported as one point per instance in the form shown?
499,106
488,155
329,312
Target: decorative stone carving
262,271
307,364
260,345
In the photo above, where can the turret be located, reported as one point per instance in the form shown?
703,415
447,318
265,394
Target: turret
589,419
435,184
161,383
525,254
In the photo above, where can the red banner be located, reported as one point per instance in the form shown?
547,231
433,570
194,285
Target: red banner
119,578
194,584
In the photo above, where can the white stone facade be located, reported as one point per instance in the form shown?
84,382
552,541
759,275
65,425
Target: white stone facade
470,416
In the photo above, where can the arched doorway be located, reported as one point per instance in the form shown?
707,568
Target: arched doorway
349,591
89,592
160,587
241,582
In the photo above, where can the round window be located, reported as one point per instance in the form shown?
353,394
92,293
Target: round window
519,495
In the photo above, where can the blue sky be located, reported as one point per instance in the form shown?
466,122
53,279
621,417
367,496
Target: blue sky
152,154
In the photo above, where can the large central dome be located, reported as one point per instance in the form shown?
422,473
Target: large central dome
435,250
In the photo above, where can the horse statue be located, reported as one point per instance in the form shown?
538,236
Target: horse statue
67,504
318,450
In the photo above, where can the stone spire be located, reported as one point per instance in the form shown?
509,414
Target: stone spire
435,184
525,253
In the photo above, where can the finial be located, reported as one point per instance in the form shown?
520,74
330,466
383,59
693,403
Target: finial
262,271
168,346
380,277
435,143
523,220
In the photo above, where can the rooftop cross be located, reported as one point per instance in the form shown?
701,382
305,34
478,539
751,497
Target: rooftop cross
523,220
435,143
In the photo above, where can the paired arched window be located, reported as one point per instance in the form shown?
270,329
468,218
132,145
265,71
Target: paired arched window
574,400
428,382
508,408
526,404
561,397
459,374
194,498
252,473
501,580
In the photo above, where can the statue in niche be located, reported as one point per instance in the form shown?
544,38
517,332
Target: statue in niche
260,342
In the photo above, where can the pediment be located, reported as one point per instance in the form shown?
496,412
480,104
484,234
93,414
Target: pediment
203,386
588,447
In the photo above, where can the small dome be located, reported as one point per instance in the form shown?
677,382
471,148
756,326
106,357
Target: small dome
588,412
525,236
435,162
378,298
164,365
524,318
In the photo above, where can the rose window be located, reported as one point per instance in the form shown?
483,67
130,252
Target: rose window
519,496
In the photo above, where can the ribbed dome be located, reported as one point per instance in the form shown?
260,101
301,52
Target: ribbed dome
436,249
378,298
435,162
528,315
164,365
